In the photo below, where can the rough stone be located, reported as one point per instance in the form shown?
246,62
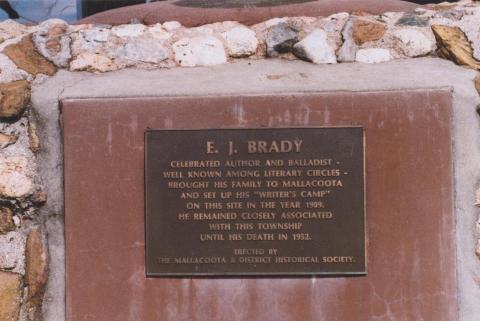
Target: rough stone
241,41
9,71
199,51
373,55
132,30
14,97
96,34
11,29
315,48
349,48
453,44
143,50
12,250
7,140
92,62
158,32
413,19
36,273
53,42
10,296
15,181
33,139
171,25
6,220
413,42
470,26
451,14
280,39
364,30
26,57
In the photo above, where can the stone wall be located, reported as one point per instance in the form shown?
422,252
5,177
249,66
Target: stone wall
30,55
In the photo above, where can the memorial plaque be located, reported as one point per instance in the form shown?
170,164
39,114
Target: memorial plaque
255,201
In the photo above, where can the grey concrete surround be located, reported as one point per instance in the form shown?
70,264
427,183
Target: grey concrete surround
269,77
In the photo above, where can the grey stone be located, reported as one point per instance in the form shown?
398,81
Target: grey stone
280,39
144,50
315,48
348,50
413,19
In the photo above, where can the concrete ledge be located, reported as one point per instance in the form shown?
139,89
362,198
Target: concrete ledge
272,77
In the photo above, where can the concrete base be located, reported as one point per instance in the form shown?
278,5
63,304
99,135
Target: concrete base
274,76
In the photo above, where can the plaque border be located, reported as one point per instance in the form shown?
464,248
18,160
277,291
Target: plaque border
258,274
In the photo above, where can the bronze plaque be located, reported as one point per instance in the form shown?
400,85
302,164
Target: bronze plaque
255,201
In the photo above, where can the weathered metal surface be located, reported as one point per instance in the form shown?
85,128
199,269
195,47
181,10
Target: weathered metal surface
410,227
255,201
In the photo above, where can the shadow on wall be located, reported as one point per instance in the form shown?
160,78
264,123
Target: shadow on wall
34,11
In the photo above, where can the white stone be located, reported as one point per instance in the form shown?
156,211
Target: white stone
132,30
373,55
275,21
60,53
199,51
349,48
144,50
158,32
9,71
14,177
11,29
470,25
207,30
414,43
96,34
12,252
315,48
92,62
171,25
241,41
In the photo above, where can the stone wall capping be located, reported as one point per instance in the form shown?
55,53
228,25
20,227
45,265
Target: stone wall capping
447,30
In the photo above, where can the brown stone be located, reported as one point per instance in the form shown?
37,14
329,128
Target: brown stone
6,220
367,30
14,97
34,141
6,140
454,45
10,296
54,36
36,273
195,13
26,57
